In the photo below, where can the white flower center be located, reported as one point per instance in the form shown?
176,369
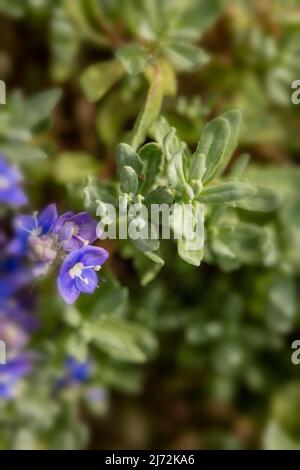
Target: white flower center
73,229
76,271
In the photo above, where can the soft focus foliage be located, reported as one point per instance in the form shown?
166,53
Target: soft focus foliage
147,101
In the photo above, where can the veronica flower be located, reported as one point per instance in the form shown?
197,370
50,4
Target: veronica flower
76,372
78,273
13,276
76,231
10,190
12,372
32,234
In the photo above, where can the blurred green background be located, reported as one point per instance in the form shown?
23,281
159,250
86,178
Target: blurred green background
214,369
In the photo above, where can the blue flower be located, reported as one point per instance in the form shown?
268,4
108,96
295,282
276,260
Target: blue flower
12,372
10,190
76,231
78,272
13,276
77,371
33,231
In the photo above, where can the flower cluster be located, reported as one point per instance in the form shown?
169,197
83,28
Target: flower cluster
40,240
16,321
46,237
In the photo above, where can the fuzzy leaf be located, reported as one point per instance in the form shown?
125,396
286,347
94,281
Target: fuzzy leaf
227,192
151,154
265,200
193,257
234,118
245,240
186,56
175,170
160,195
124,340
39,106
99,78
213,143
126,156
150,112
129,180
146,244
133,58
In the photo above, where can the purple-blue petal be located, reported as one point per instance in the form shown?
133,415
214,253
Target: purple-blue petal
48,219
17,246
67,289
88,283
94,256
89,256
24,225
78,371
86,225
13,196
11,172
76,230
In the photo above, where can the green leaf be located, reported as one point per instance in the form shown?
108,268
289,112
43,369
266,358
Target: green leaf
175,170
195,18
213,143
114,302
168,75
198,167
190,245
124,340
151,110
155,258
76,346
148,265
126,156
240,166
160,195
226,192
280,309
151,154
134,58
64,45
193,257
146,244
76,10
245,240
21,154
185,56
234,119
265,200
95,190
162,129
99,78
129,180
39,106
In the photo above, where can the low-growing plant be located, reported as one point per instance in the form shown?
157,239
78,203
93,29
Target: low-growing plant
145,249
